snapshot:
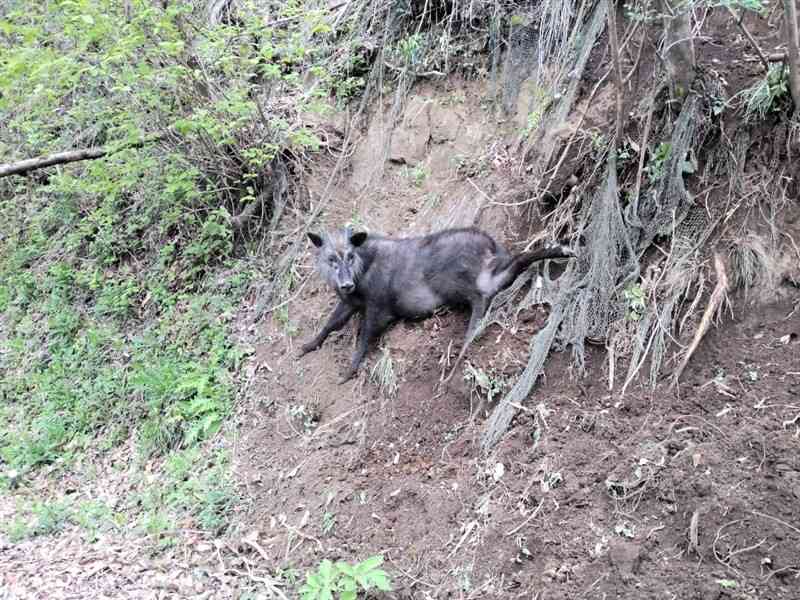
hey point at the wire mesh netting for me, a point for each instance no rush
(603, 296)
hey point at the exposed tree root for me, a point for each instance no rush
(718, 297)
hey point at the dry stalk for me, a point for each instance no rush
(750, 548)
(643, 151)
(470, 526)
(635, 66)
(693, 524)
(611, 349)
(528, 520)
(718, 297)
(575, 133)
(717, 538)
(777, 520)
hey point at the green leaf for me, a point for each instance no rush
(327, 571)
(348, 570)
(313, 580)
(348, 584)
(371, 563)
(321, 28)
(380, 579)
(308, 593)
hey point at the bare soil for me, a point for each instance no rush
(687, 493)
(652, 493)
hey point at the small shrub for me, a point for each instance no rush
(634, 300)
(344, 580)
(94, 516)
(417, 174)
(766, 95)
(117, 298)
(383, 374)
(45, 518)
(655, 166)
(17, 529)
(328, 522)
(158, 525)
(483, 383)
(306, 417)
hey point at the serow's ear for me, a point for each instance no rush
(358, 238)
(315, 239)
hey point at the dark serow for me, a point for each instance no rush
(390, 279)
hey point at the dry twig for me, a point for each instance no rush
(528, 520)
(749, 37)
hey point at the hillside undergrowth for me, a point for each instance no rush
(119, 276)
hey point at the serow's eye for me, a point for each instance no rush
(332, 260)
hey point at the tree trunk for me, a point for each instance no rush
(679, 54)
(793, 51)
(613, 46)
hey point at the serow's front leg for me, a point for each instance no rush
(372, 325)
(338, 319)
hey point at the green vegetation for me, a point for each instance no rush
(766, 95)
(483, 383)
(119, 275)
(634, 298)
(43, 518)
(46, 517)
(655, 166)
(417, 174)
(345, 580)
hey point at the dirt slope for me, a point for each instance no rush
(661, 494)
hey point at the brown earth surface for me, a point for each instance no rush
(693, 493)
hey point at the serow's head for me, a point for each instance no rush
(338, 260)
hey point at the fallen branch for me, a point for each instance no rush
(693, 526)
(635, 66)
(239, 221)
(60, 158)
(777, 520)
(718, 296)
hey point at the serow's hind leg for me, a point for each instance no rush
(478, 306)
